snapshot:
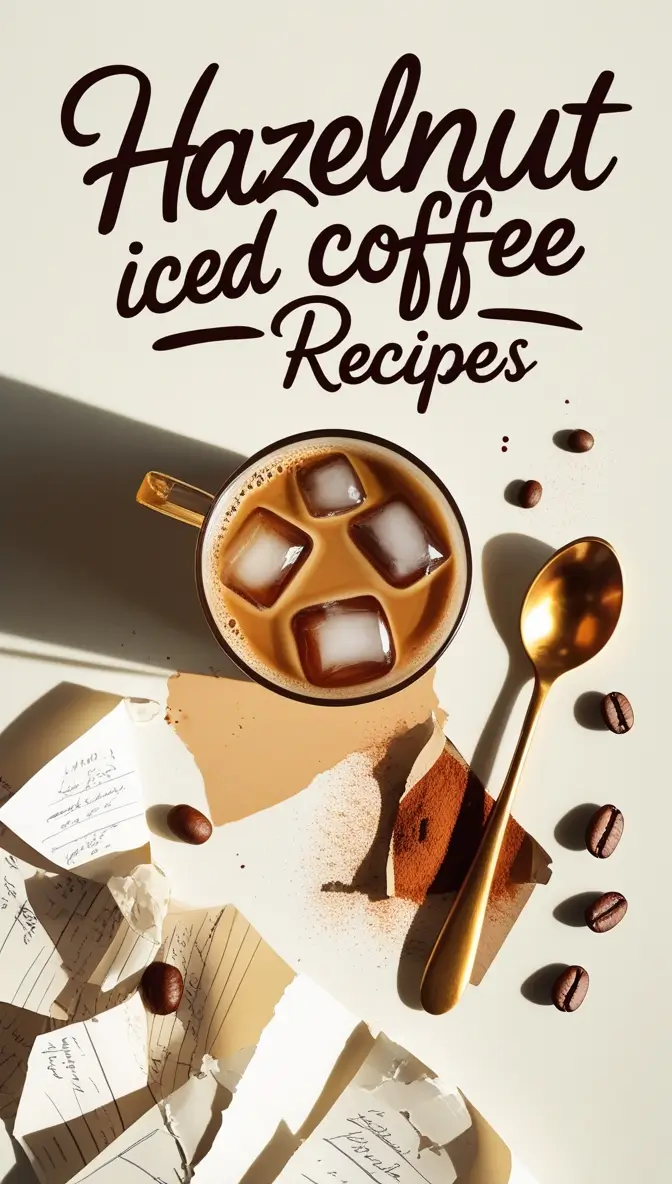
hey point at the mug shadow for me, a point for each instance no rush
(509, 563)
(90, 569)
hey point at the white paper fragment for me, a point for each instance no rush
(162, 1145)
(52, 927)
(18, 1031)
(229, 1070)
(81, 1001)
(142, 711)
(86, 1084)
(427, 757)
(393, 1122)
(298, 1048)
(86, 802)
(142, 899)
(520, 1174)
(146, 1151)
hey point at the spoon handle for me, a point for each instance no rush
(452, 960)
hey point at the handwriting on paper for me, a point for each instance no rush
(63, 930)
(18, 1030)
(87, 801)
(86, 1084)
(50, 927)
(215, 950)
(392, 1123)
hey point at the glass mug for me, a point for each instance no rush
(424, 616)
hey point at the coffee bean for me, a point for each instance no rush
(617, 712)
(189, 824)
(606, 911)
(569, 988)
(162, 986)
(530, 494)
(580, 441)
(603, 833)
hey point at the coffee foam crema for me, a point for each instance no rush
(249, 485)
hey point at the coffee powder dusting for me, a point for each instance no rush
(438, 828)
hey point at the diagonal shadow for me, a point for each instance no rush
(510, 562)
(83, 565)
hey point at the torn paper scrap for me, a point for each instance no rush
(18, 1031)
(395, 1121)
(299, 1048)
(520, 1174)
(86, 1084)
(86, 802)
(164, 1143)
(231, 981)
(146, 1151)
(51, 927)
(142, 899)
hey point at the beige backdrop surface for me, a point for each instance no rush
(88, 579)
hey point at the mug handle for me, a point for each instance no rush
(178, 500)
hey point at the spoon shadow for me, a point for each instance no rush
(509, 564)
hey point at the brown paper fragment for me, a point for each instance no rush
(256, 748)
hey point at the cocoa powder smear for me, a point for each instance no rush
(439, 825)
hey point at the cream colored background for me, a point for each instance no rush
(85, 576)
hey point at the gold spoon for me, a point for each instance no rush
(569, 613)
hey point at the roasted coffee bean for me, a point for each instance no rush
(606, 911)
(530, 494)
(189, 824)
(162, 986)
(617, 712)
(569, 988)
(580, 441)
(603, 833)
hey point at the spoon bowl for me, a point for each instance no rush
(572, 607)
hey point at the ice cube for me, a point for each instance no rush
(330, 486)
(399, 544)
(345, 642)
(264, 556)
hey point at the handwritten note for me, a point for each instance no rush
(62, 929)
(216, 951)
(394, 1122)
(81, 1001)
(50, 928)
(86, 1084)
(18, 1030)
(87, 802)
